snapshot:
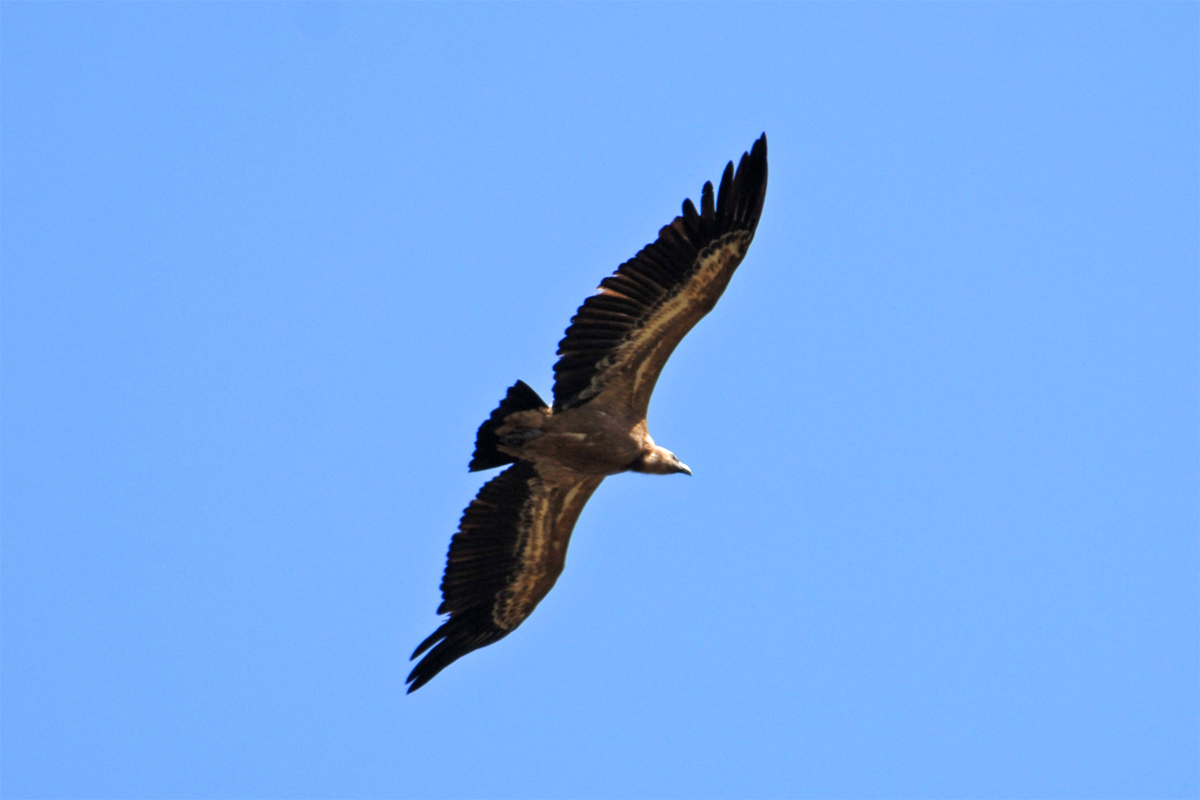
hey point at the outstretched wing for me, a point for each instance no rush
(509, 550)
(622, 336)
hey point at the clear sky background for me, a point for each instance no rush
(267, 267)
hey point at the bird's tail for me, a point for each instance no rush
(519, 398)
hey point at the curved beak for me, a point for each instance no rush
(684, 469)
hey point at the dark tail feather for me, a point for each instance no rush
(519, 398)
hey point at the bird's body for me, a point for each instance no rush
(580, 441)
(512, 542)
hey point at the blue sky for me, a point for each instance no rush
(267, 267)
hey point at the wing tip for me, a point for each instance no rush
(747, 188)
(456, 637)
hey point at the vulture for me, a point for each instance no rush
(512, 541)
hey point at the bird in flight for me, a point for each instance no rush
(512, 541)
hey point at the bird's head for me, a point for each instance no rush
(660, 461)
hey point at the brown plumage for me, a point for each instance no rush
(512, 541)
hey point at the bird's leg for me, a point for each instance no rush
(517, 437)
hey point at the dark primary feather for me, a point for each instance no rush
(481, 563)
(656, 273)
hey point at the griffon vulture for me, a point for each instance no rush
(512, 541)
